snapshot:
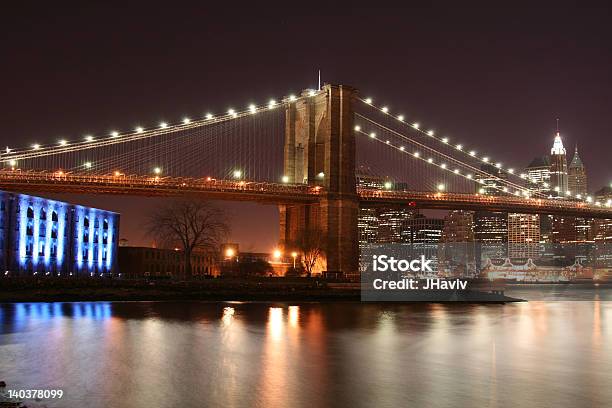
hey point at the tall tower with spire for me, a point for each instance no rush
(576, 174)
(558, 166)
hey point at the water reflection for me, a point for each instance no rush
(143, 354)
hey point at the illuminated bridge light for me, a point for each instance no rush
(485, 159)
(431, 133)
(415, 125)
(272, 104)
(357, 128)
(63, 142)
(498, 165)
(89, 138)
(445, 140)
(417, 154)
(388, 142)
(13, 163)
(88, 165)
(469, 176)
(186, 121)
(237, 174)
(231, 112)
(481, 191)
(472, 153)
(114, 133)
(163, 125)
(459, 147)
(400, 118)
(402, 148)
(368, 101)
(373, 135)
(209, 116)
(441, 187)
(388, 185)
(385, 109)
(292, 98)
(252, 108)
(511, 171)
(430, 160)
(157, 170)
(312, 92)
(285, 179)
(139, 129)
(456, 171)
(35, 146)
(443, 165)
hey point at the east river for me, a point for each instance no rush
(553, 351)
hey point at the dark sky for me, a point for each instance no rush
(495, 77)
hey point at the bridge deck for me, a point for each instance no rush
(278, 193)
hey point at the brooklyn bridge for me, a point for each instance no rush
(303, 153)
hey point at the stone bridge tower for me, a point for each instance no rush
(320, 151)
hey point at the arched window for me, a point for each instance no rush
(105, 225)
(43, 214)
(42, 228)
(86, 222)
(54, 216)
(30, 213)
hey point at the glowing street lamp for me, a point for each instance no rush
(294, 255)
(277, 254)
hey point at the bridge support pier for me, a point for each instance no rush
(320, 151)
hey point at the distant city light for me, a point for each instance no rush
(285, 179)
(230, 252)
(321, 175)
(277, 254)
(13, 163)
(388, 185)
(441, 187)
(237, 174)
(157, 170)
(88, 165)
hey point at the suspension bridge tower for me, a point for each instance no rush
(320, 151)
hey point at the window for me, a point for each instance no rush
(54, 216)
(43, 214)
(86, 236)
(42, 229)
(54, 231)
(105, 225)
(41, 248)
(86, 222)
(30, 213)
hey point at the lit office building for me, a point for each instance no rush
(489, 181)
(538, 174)
(40, 236)
(491, 227)
(458, 227)
(523, 235)
(577, 177)
(558, 167)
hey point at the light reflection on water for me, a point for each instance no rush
(193, 354)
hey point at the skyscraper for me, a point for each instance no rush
(539, 171)
(558, 167)
(523, 235)
(577, 177)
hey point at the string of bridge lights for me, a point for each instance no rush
(471, 153)
(445, 140)
(12, 156)
(468, 176)
(448, 157)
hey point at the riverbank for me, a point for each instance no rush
(265, 289)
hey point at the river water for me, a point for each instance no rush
(542, 353)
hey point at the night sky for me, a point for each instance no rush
(491, 77)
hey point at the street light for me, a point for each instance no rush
(294, 255)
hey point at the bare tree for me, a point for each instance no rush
(190, 224)
(310, 243)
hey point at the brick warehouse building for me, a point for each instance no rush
(40, 236)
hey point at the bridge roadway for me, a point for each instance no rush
(280, 193)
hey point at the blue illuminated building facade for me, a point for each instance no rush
(39, 236)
